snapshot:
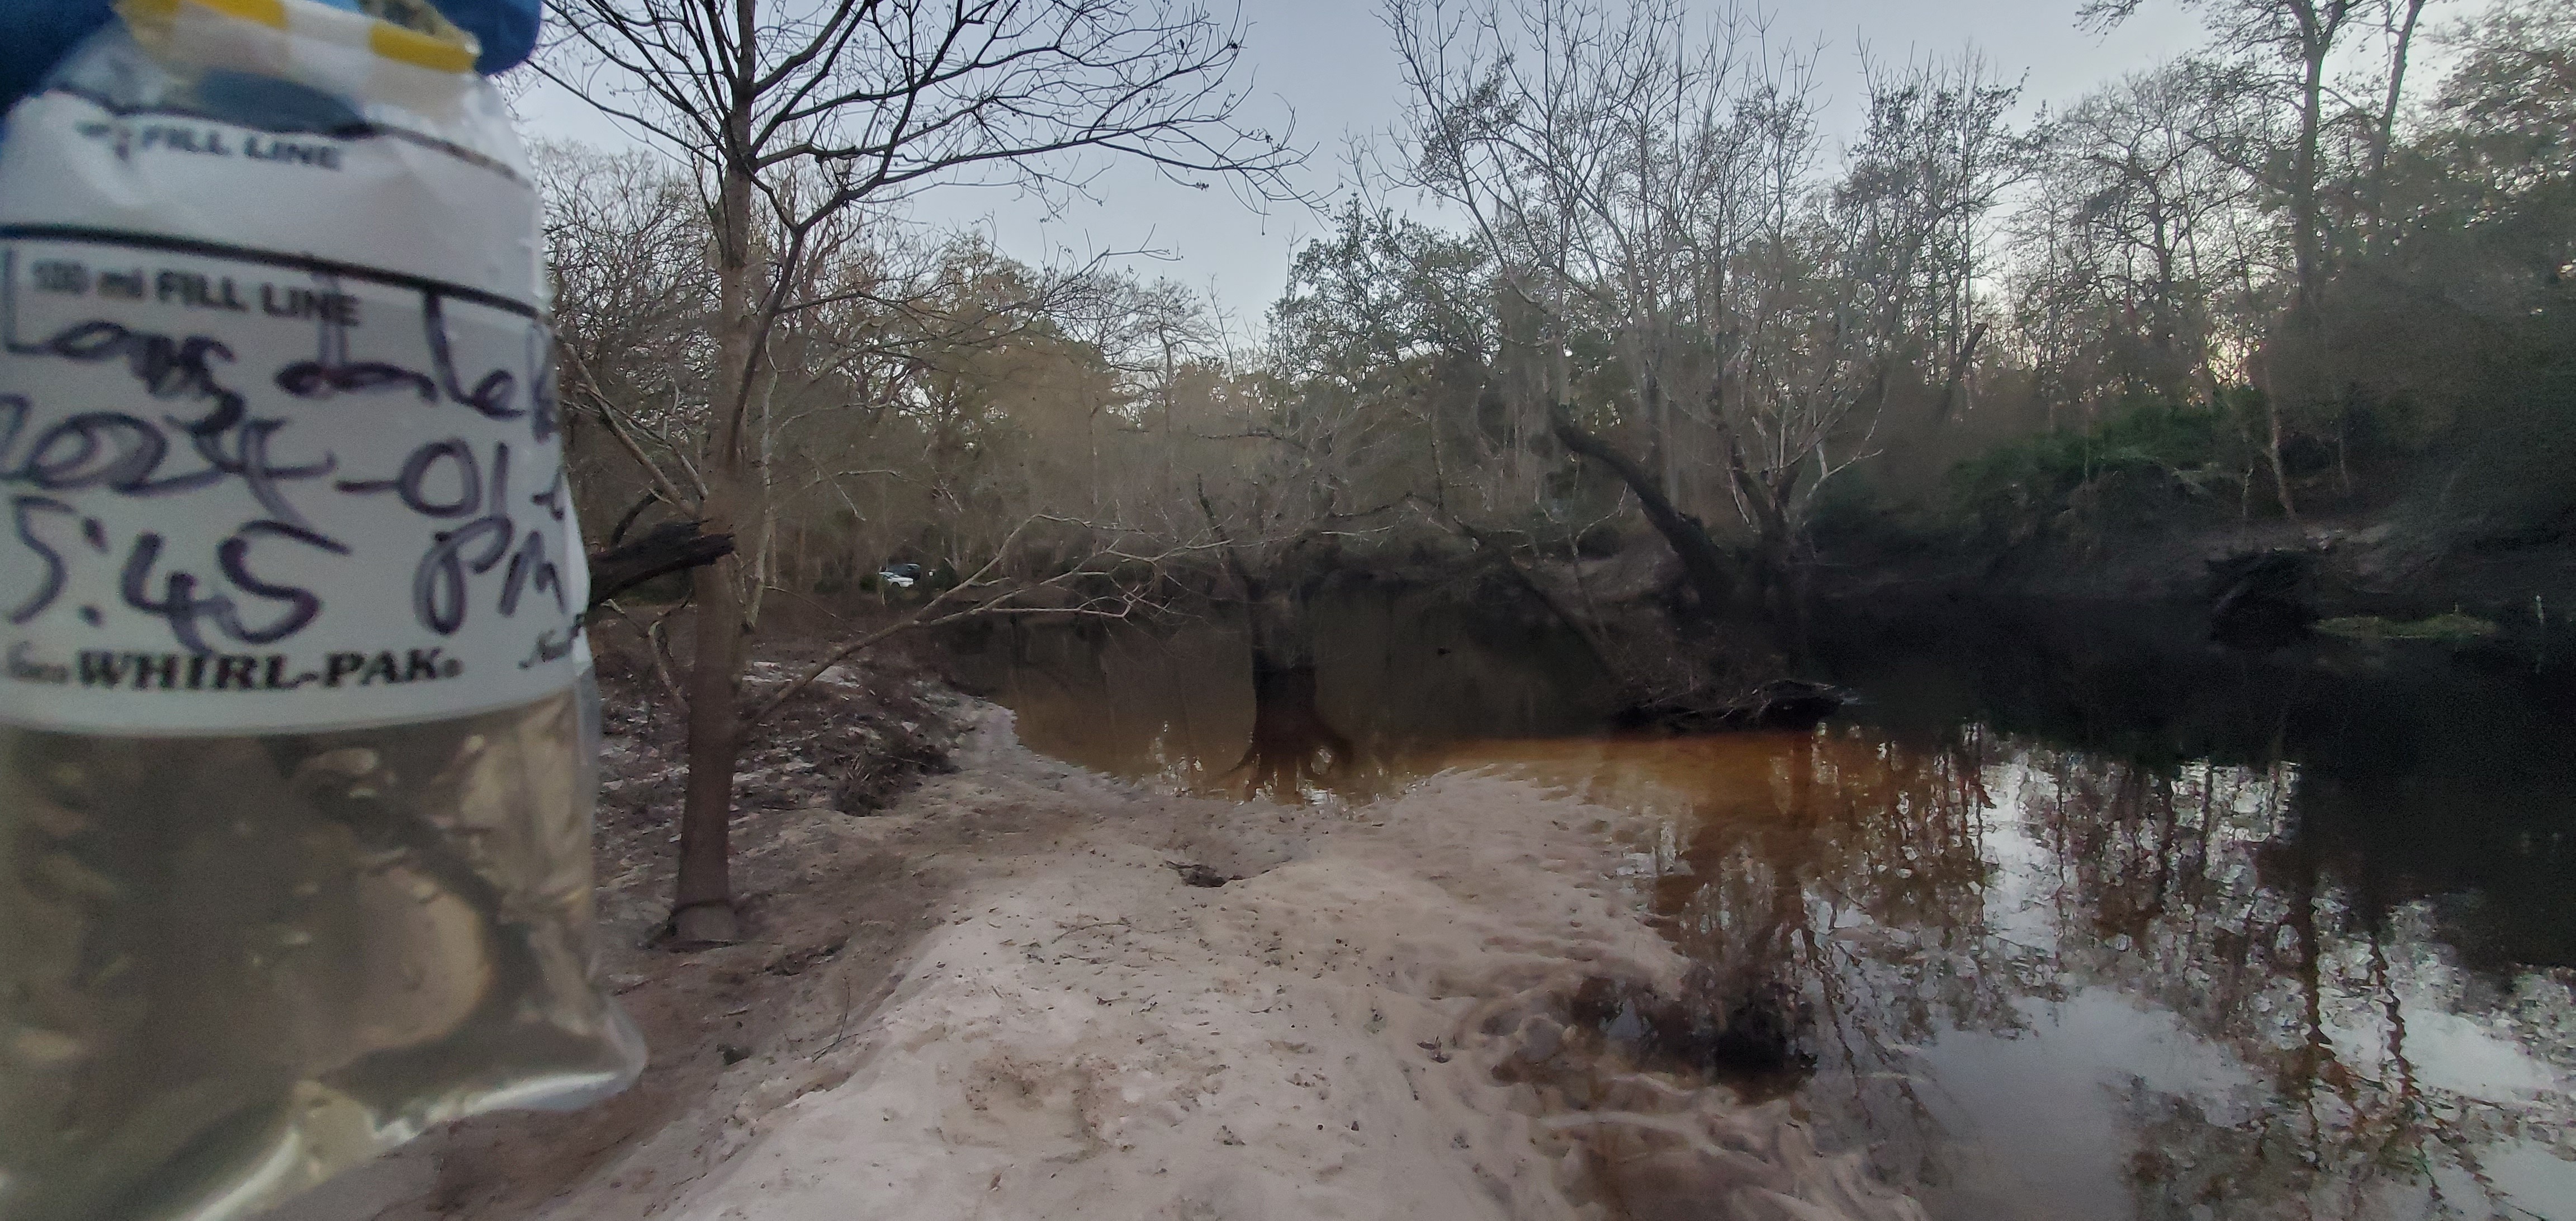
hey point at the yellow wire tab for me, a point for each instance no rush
(270, 13)
(441, 47)
(418, 49)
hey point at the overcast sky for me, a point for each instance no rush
(1330, 63)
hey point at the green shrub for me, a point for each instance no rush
(2133, 468)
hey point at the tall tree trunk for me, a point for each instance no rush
(702, 905)
(2307, 244)
(2388, 122)
(2319, 23)
(1703, 564)
(1774, 538)
(2272, 452)
(1960, 359)
(753, 504)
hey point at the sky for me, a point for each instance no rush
(1330, 64)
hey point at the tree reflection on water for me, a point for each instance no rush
(2043, 982)
(2288, 942)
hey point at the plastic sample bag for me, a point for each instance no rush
(295, 729)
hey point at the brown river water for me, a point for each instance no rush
(2064, 921)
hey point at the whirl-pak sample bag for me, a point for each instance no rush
(295, 722)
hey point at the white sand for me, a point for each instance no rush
(1087, 1036)
(1098, 1039)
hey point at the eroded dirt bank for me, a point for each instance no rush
(1001, 998)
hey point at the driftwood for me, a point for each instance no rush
(666, 548)
(1786, 703)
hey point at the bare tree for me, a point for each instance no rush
(1882, 286)
(1599, 158)
(794, 114)
(1647, 187)
(2302, 37)
(2135, 242)
(627, 243)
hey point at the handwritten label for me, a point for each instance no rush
(244, 491)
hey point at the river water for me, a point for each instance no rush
(2066, 920)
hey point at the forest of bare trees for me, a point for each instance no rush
(1608, 282)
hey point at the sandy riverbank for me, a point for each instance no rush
(1000, 1000)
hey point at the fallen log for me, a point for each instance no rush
(1786, 703)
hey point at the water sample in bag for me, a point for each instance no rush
(296, 732)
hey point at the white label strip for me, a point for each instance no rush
(248, 491)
